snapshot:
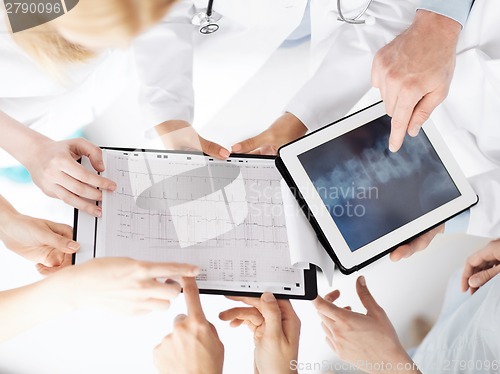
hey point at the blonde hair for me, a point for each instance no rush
(103, 19)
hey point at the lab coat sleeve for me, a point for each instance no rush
(164, 63)
(458, 224)
(485, 216)
(334, 89)
(457, 10)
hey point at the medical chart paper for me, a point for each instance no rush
(227, 217)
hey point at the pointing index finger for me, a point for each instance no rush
(403, 110)
(192, 297)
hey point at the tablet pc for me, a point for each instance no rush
(363, 200)
(224, 216)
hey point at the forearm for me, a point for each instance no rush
(401, 364)
(18, 139)
(7, 211)
(436, 25)
(25, 307)
(170, 126)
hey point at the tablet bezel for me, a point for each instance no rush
(352, 260)
(84, 224)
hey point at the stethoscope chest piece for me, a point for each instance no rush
(207, 23)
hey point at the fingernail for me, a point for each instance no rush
(224, 153)
(195, 272)
(414, 130)
(392, 148)
(328, 298)
(74, 246)
(268, 297)
(112, 187)
(101, 165)
(98, 212)
(473, 282)
(362, 281)
(236, 148)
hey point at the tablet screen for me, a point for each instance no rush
(368, 190)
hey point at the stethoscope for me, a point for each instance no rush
(207, 19)
(356, 20)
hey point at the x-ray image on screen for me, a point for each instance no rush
(370, 191)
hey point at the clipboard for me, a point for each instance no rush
(258, 271)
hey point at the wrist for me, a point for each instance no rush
(430, 22)
(288, 128)
(8, 214)
(52, 300)
(61, 293)
(170, 126)
(400, 362)
(295, 124)
(21, 141)
(38, 145)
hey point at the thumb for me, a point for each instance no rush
(422, 111)
(214, 149)
(251, 144)
(272, 314)
(365, 296)
(85, 148)
(479, 279)
(59, 237)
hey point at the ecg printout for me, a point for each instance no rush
(226, 217)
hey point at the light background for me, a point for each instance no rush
(93, 342)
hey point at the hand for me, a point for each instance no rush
(481, 267)
(284, 130)
(180, 135)
(362, 338)
(276, 330)
(54, 168)
(121, 284)
(46, 243)
(414, 72)
(194, 346)
(418, 244)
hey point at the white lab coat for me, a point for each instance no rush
(252, 31)
(466, 337)
(470, 116)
